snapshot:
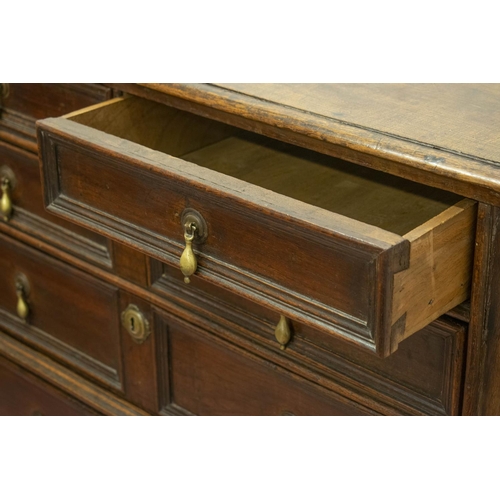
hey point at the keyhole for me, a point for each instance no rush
(135, 324)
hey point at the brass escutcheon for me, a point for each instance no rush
(135, 323)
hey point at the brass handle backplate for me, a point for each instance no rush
(195, 230)
(7, 184)
(22, 292)
(135, 323)
(282, 332)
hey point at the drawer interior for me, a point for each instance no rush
(376, 198)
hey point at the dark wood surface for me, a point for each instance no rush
(210, 377)
(73, 316)
(424, 376)
(212, 348)
(313, 264)
(482, 394)
(22, 394)
(29, 213)
(27, 102)
(140, 360)
(41, 100)
(66, 380)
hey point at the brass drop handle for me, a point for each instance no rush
(22, 308)
(282, 332)
(188, 260)
(6, 200)
(195, 231)
(4, 90)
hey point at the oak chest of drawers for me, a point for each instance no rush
(249, 249)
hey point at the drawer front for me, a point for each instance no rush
(23, 394)
(60, 310)
(359, 282)
(23, 103)
(29, 214)
(424, 376)
(206, 376)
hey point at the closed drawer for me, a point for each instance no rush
(424, 376)
(21, 104)
(206, 376)
(24, 394)
(362, 255)
(60, 311)
(27, 212)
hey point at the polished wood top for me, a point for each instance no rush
(458, 117)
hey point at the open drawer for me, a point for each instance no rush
(361, 254)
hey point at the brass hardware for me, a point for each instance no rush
(195, 230)
(6, 201)
(135, 323)
(282, 332)
(22, 292)
(188, 260)
(7, 184)
(192, 216)
(4, 90)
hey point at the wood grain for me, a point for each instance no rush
(28, 102)
(100, 193)
(73, 316)
(440, 271)
(409, 131)
(139, 360)
(335, 185)
(424, 376)
(130, 264)
(65, 379)
(482, 393)
(428, 163)
(157, 127)
(42, 100)
(98, 177)
(29, 213)
(22, 394)
(210, 377)
(463, 118)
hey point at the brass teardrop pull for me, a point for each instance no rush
(282, 332)
(195, 231)
(188, 260)
(6, 200)
(4, 90)
(22, 308)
